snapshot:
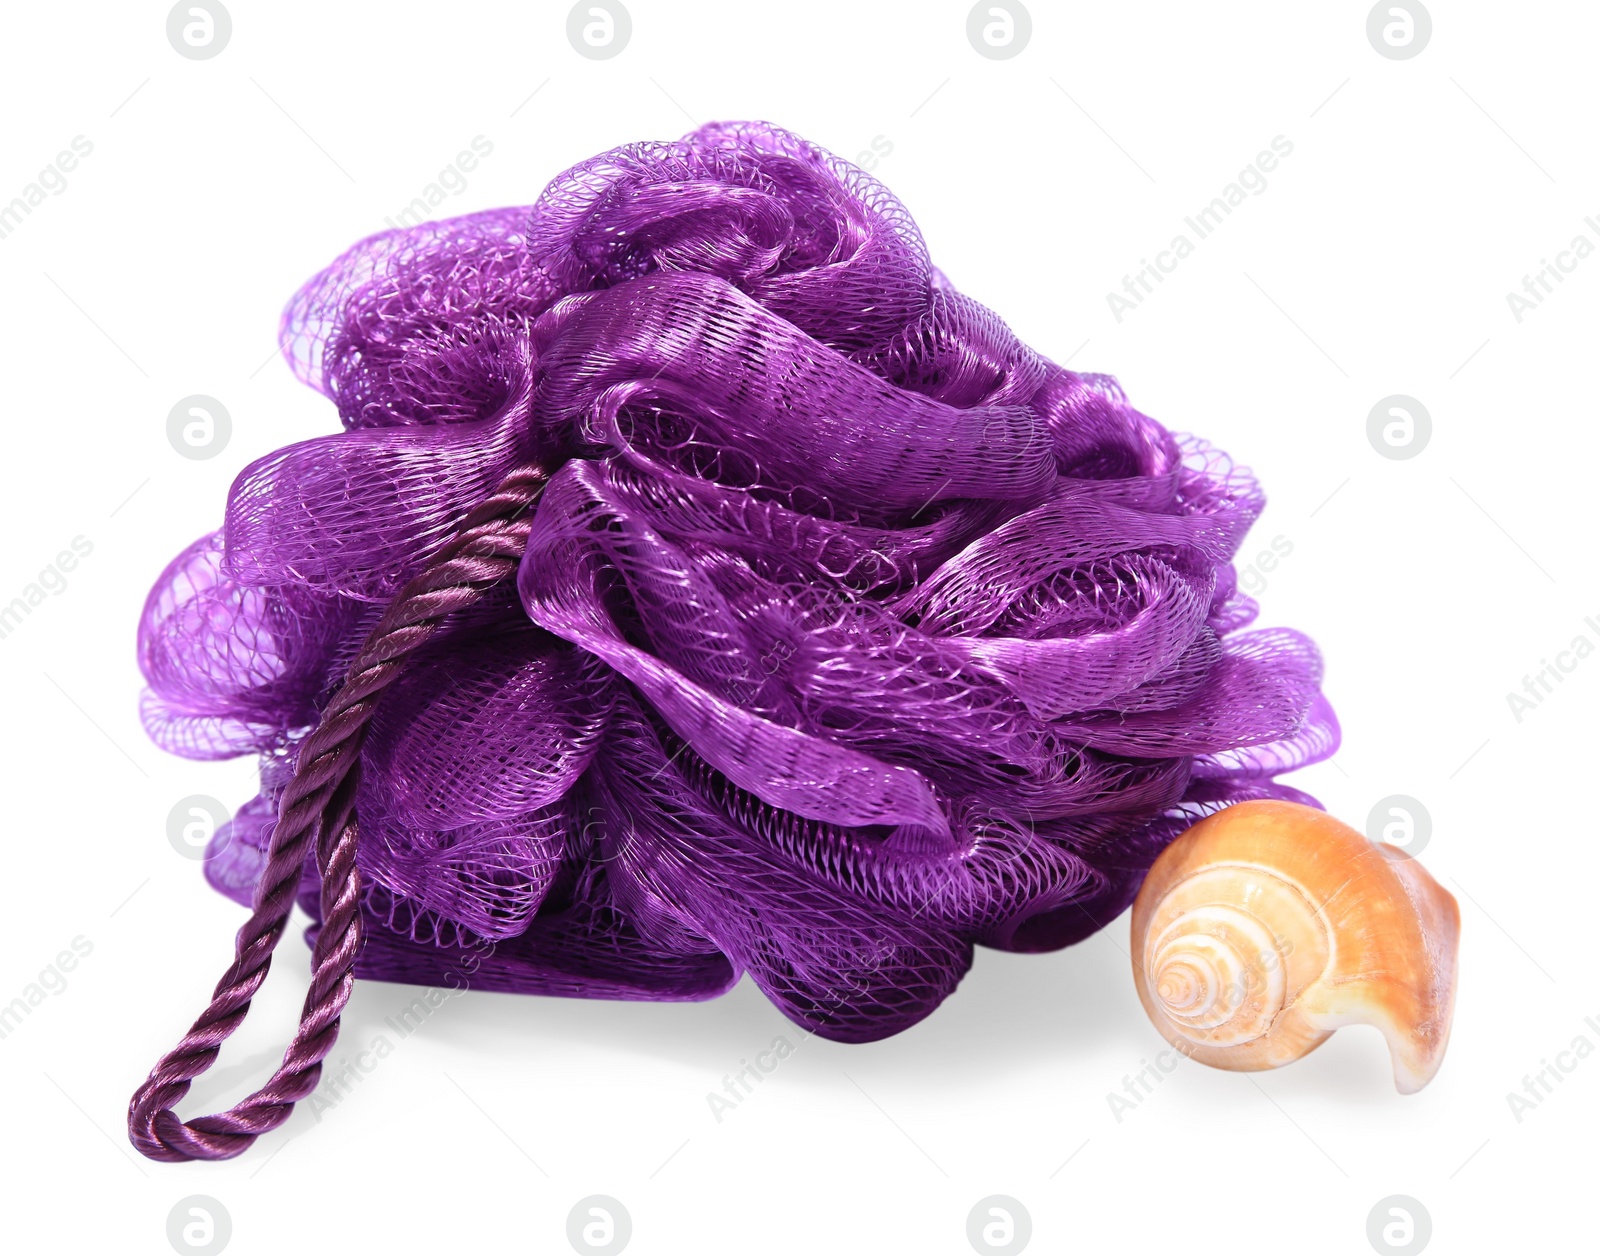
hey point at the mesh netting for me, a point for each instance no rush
(851, 632)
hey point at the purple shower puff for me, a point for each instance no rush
(850, 632)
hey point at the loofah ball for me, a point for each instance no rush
(851, 632)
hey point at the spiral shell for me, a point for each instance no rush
(1265, 927)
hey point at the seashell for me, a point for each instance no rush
(1268, 925)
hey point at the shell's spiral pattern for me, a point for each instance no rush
(1264, 928)
(851, 631)
(1230, 947)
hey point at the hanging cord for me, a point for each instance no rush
(320, 800)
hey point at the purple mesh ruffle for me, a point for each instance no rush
(851, 631)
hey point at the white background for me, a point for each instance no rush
(1419, 193)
